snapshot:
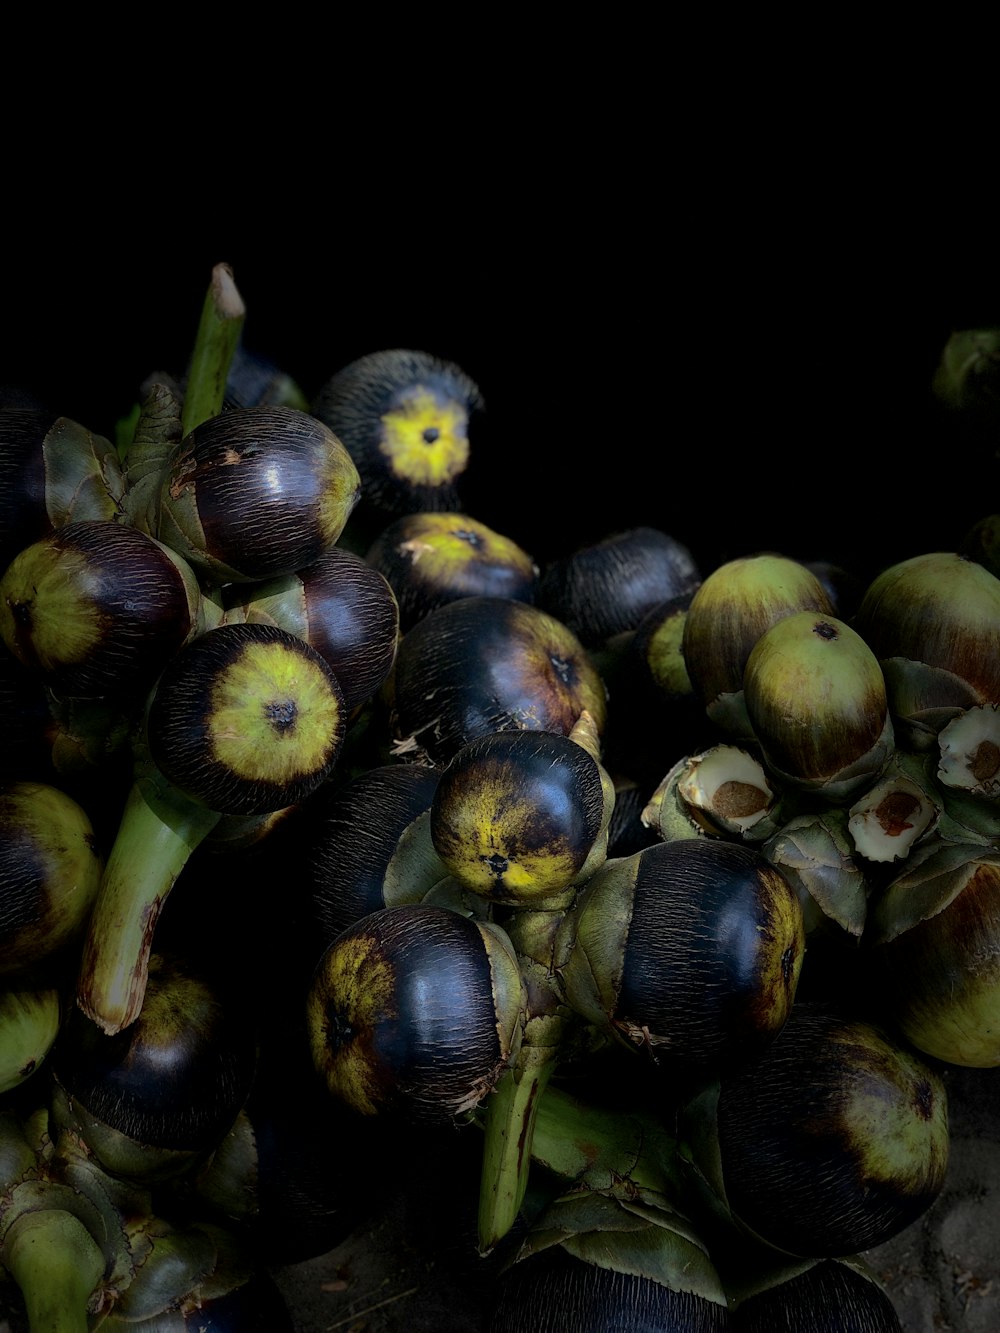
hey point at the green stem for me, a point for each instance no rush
(215, 345)
(509, 1113)
(509, 1121)
(58, 1267)
(159, 830)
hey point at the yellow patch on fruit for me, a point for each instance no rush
(896, 1118)
(274, 715)
(496, 850)
(353, 994)
(783, 947)
(69, 625)
(444, 543)
(340, 493)
(172, 1010)
(425, 439)
(666, 657)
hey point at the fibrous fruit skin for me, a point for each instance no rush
(830, 1296)
(50, 869)
(933, 953)
(340, 606)
(96, 608)
(172, 1082)
(408, 419)
(688, 950)
(931, 621)
(415, 1012)
(607, 588)
(486, 664)
(433, 558)
(255, 493)
(345, 838)
(834, 1138)
(516, 815)
(563, 1292)
(247, 719)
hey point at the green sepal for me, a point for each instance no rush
(590, 940)
(83, 477)
(228, 1180)
(936, 874)
(19, 1157)
(655, 1243)
(179, 1260)
(923, 700)
(141, 1163)
(157, 431)
(625, 1153)
(124, 1207)
(816, 855)
(414, 867)
(219, 330)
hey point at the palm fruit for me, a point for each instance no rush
(484, 664)
(816, 698)
(689, 951)
(933, 942)
(432, 558)
(830, 1140)
(606, 588)
(519, 817)
(728, 613)
(254, 493)
(931, 620)
(97, 608)
(407, 418)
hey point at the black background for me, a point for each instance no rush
(742, 381)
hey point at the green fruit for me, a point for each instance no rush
(729, 611)
(816, 699)
(834, 1138)
(50, 871)
(29, 1024)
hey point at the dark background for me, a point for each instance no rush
(742, 383)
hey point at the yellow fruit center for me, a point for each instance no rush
(273, 715)
(425, 440)
(353, 997)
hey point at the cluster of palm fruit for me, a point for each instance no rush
(671, 892)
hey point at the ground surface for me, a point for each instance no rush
(407, 1269)
(943, 1273)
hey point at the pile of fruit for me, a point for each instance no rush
(331, 823)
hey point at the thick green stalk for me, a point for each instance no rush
(159, 830)
(508, 1114)
(509, 1122)
(218, 336)
(58, 1267)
